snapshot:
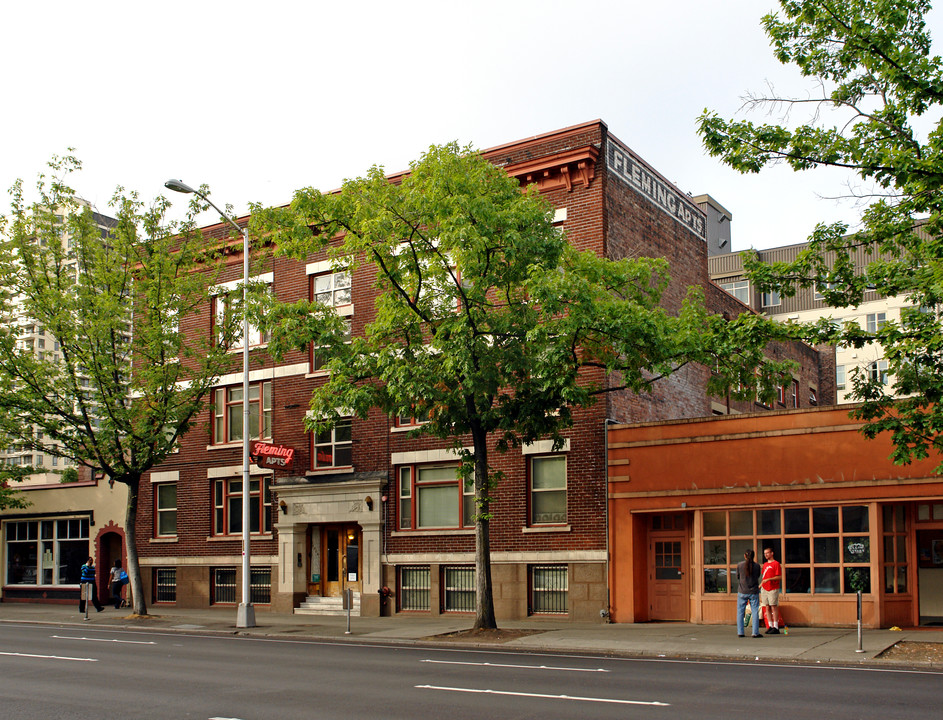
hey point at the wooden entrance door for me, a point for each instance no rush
(340, 558)
(668, 593)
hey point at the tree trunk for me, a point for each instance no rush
(484, 594)
(139, 606)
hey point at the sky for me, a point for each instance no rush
(258, 100)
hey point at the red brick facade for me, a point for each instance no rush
(316, 515)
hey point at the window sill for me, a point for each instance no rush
(235, 445)
(339, 470)
(237, 537)
(432, 531)
(406, 428)
(161, 540)
(546, 529)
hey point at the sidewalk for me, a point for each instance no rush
(673, 640)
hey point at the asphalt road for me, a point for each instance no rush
(61, 673)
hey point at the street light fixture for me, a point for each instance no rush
(245, 615)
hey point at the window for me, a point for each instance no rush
(227, 510)
(820, 290)
(411, 421)
(331, 288)
(227, 413)
(414, 587)
(877, 371)
(46, 552)
(319, 359)
(823, 550)
(548, 589)
(894, 534)
(260, 585)
(781, 395)
(458, 589)
(813, 397)
(224, 305)
(840, 379)
(224, 585)
(548, 490)
(334, 447)
(875, 321)
(794, 394)
(165, 498)
(740, 289)
(165, 585)
(434, 496)
(771, 299)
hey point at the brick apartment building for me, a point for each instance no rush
(338, 516)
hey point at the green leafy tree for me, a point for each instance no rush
(124, 383)
(488, 324)
(10, 497)
(876, 114)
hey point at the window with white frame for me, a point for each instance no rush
(771, 299)
(333, 447)
(875, 321)
(319, 359)
(877, 371)
(434, 496)
(45, 552)
(227, 299)
(227, 506)
(228, 413)
(548, 490)
(331, 288)
(165, 503)
(840, 379)
(740, 289)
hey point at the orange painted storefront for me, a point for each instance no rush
(687, 497)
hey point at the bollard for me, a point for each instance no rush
(860, 648)
(85, 597)
(350, 601)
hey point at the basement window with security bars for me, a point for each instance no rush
(224, 585)
(458, 589)
(414, 587)
(548, 589)
(165, 585)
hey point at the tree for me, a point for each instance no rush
(882, 87)
(10, 497)
(125, 382)
(488, 325)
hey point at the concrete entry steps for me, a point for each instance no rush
(317, 605)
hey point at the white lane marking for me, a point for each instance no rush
(125, 642)
(49, 657)
(541, 695)
(224, 718)
(522, 667)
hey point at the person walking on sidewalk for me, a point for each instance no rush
(748, 591)
(770, 583)
(88, 578)
(117, 582)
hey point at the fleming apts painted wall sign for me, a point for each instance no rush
(664, 195)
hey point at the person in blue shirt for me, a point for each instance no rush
(88, 578)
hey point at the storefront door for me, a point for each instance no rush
(667, 586)
(340, 556)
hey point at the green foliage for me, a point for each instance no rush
(69, 475)
(10, 497)
(117, 382)
(488, 323)
(883, 89)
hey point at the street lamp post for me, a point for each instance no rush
(245, 615)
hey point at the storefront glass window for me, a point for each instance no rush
(822, 549)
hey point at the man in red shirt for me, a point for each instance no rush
(770, 582)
